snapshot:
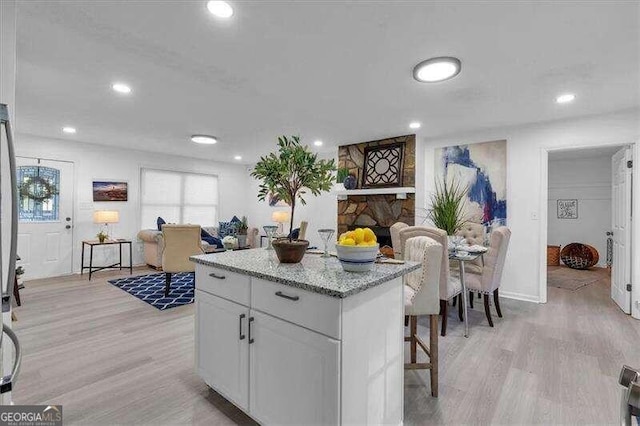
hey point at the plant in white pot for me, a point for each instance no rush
(243, 228)
(447, 207)
(289, 174)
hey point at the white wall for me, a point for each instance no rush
(526, 159)
(101, 162)
(589, 181)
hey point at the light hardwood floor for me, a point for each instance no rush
(110, 358)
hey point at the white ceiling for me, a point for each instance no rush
(340, 72)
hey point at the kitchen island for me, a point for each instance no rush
(302, 343)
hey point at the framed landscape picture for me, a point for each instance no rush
(567, 209)
(104, 190)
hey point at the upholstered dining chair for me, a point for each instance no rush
(450, 285)
(474, 234)
(394, 230)
(488, 282)
(421, 297)
(180, 242)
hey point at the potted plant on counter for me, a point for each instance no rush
(291, 173)
(447, 207)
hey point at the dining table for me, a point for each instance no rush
(463, 257)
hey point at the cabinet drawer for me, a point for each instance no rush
(226, 284)
(311, 310)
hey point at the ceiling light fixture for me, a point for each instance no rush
(566, 98)
(437, 69)
(318, 143)
(70, 130)
(415, 125)
(221, 9)
(237, 157)
(204, 139)
(121, 88)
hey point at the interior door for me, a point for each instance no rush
(621, 218)
(45, 220)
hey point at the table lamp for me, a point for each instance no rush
(105, 217)
(280, 217)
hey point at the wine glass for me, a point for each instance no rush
(270, 230)
(326, 234)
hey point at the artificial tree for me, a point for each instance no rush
(291, 173)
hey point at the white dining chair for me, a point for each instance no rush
(421, 297)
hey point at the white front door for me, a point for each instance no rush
(45, 220)
(621, 218)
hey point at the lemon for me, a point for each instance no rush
(348, 242)
(369, 235)
(359, 235)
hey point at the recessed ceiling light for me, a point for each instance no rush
(221, 9)
(437, 69)
(70, 130)
(566, 98)
(318, 143)
(415, 125)
(237, 157)
(204, 139)
(121, 88)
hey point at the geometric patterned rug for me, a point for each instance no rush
(150, 289)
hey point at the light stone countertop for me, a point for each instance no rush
(314, 273)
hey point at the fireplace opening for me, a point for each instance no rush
(383, 234)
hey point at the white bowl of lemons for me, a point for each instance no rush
(357, 250)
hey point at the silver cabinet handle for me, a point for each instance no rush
(6, 383)
(286, 296)
(242, 336)
(251, 319)
(214, 275)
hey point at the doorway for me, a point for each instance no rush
(45, 219)
(588, 222)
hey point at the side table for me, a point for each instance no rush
(93, 243)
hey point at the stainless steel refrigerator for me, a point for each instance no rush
(9, 346)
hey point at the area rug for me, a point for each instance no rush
(150, 289)
(571, 279)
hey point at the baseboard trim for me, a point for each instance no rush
(519, 296)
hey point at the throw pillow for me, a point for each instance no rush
(295, 234)
(212, 240)
(159, 222)
(235, 219)
(227, 228)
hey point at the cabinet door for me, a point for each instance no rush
(295, 374)
(222, 354)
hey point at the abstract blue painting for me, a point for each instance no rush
(483, 167)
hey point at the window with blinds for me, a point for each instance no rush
(178, 197)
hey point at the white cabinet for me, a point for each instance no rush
(295, 374)
(222, 353)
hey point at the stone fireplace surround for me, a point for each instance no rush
(376, 211)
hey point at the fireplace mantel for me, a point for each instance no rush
(401, 192)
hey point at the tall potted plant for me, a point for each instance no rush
(447, 206)
(290, 174)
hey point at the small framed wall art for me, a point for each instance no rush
(107, 190)
(567, 209)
